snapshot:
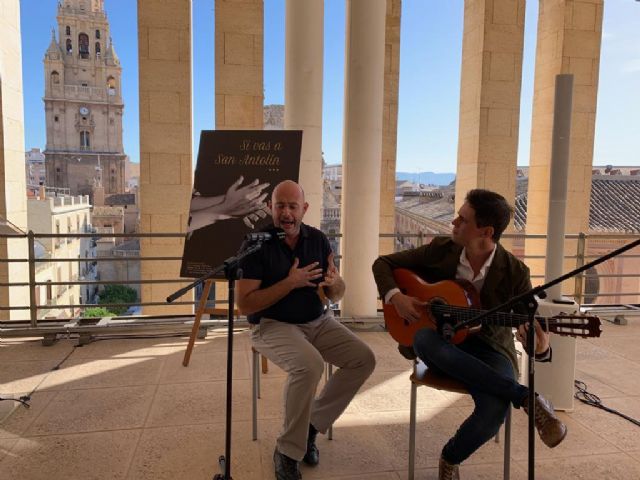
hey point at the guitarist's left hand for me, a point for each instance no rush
(542, 337)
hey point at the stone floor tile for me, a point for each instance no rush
(587, 467)
(595, 385)
(626, 347)
(132, 348)
(191, 452)
(198, 403)
(86, 456)
(83, 373)
(618, 374)
(579, 441)
(96, 409)
(390, 391)
(32, 349)
(6, 444)
(620, 432)
(19, 421)
(17, 378)
(205, 366)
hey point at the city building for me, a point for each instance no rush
(35, 168)
(83, 102)
(63, 215)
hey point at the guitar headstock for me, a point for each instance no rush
(584, 326)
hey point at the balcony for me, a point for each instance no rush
(138, 413)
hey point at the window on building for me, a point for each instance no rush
(83, 45)
(69, 48)
(97, 49)
(84, 140)
(97, 33)
(68, 30)
(55, 118)
(111, 85)
(55, 78)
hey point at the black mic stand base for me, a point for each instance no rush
(223, 467)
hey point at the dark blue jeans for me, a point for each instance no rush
(490, 379)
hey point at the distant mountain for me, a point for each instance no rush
(427, 178)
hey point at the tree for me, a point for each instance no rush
(118, 294)
(94, 312)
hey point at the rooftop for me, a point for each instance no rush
(128, 409)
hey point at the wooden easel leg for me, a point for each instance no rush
(202, 305)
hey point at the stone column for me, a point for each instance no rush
(390, 124)
(13, 189)
(303, 94)
(490, 96)
(362, 152)
(239, 26)
(164, 56)
(569, 37)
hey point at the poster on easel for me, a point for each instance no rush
(236, 172)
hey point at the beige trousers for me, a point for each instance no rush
(301, 350)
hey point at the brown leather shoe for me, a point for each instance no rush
(551, 430)
(448, 471)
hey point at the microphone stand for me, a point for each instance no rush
(529, 300)
(231, 273)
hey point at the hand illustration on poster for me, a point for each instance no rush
(235, 175)
(246, 201)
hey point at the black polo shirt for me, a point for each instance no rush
(272, 263)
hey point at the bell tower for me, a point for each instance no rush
(83, 102)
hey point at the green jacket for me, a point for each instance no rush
(507, 277)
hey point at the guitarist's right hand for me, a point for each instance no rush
(408, 308)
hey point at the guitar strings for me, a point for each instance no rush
(464, 313)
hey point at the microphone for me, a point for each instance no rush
(264, 236)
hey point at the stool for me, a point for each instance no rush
(422, 375)
(255, 377)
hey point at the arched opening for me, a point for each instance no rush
(68, 30)
(55, 78)
(83, 45)
(111, 85)
(68, 46)
(98, 34)
(97, 49)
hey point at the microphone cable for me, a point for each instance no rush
(592, 399)
(25, 399)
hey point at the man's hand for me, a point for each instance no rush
(542, 337)
(407, 307)
(332, 275)
(303, 277)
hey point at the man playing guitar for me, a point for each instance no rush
(485, 363)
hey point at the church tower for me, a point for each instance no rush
(83, 102)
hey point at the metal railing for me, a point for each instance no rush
(587, 247)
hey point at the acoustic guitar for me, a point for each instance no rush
(451, 302)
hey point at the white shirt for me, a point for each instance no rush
(463, 272)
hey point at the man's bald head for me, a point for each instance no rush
(287, 188)
(288, 207)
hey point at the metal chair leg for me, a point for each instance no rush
(412, 430)
(256, 391)
(328, 373)
(507, 445)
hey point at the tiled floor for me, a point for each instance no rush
(128, 409)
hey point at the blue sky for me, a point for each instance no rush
(429, 77)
